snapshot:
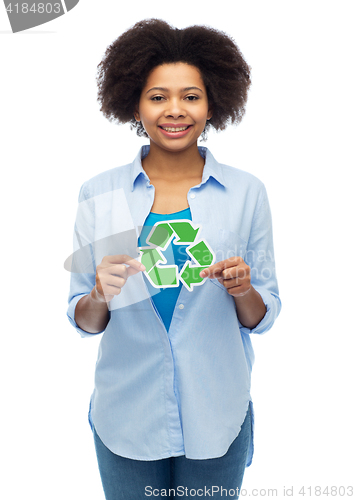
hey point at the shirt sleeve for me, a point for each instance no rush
(81, 264)
(260, 258)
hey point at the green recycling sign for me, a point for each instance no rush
(161, 275)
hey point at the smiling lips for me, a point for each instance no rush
(174, 130)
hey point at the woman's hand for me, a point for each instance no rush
(112, 274)
(232, 273)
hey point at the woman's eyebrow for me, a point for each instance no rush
(164, 89)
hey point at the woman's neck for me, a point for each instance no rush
(163, 164)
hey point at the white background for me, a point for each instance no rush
(297, 137)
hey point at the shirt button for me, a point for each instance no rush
(192, 196)
(181, 306)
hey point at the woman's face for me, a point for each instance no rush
(173, 106)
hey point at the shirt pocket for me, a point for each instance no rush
(229, 244)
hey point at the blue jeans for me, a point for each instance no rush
(126, 479)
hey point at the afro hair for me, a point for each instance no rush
(127, 62)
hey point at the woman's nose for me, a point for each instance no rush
(175, 109)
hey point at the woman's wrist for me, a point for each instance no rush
(250, 308)
(96, 296)
(91, 313)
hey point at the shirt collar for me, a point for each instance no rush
(211, 168)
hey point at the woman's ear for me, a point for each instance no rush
(210, 113)
(136, 114)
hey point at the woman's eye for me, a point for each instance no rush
(159, 98)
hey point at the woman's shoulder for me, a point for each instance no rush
(233, 175)
(239, 181)
(237, 174)
(109, 180)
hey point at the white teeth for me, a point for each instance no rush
(171, 129)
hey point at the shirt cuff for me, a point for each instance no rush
(71, 316)
(273, 306)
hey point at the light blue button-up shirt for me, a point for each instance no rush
(184, 391)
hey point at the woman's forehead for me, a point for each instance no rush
(175, 75)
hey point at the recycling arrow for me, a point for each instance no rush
(185, 232)
(181, 232)
(190, 275)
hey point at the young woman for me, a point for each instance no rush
(174, 265)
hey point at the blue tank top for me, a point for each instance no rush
(166, 299)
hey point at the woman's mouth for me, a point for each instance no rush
(175, 131)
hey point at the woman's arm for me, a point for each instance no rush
(250, 308)
(252, 284)
(92, 313)
(234, 275)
